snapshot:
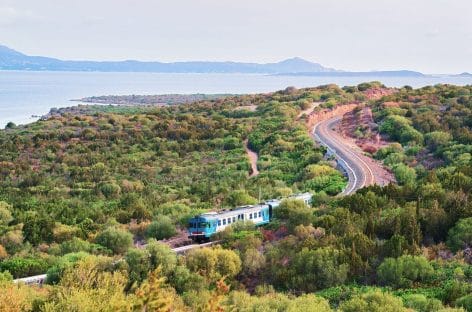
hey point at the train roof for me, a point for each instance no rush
(211, 215)
(233, 212)
(301, 195)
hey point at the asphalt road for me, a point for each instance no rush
(359, 172)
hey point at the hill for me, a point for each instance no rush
(84, 195)
(14, 60)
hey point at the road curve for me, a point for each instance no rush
(359, 173)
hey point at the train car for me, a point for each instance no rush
(202, 227)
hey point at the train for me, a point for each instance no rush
(201, 228)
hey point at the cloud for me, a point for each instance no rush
(10, 15)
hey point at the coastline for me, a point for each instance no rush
(26, 96)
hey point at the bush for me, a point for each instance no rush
(138, 265)
(460, 236)
(465, 302)
(404, 271)
(116, 240)
(294, 212)
(214, 264)
(160, 255)
(76, 245)
(374, 301)
(317, 269)
(22, 267)
(55, 273)
(404, 174)
(421, 303)
(161, 229)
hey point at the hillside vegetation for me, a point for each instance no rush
(79, 189)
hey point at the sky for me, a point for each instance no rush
(431, 36)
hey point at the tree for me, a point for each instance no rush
(374, 301)
(460, 236)
(308, 302)
(421, 303)
(294, 212)
(10, 125)
(240, 197)
(404, 174)
(395, 246)
(160, 255)
(18, 298)
(437, 139)
(22, 267)
(115, 239)
(87, 288)
(317, 269)
(214, 264)
(161, 228)
(253, 261)
(5, 214)
(12, 241)
(138, 265)
(54, 273)
(272, 301)
(155, 295)
(404, 271)
(465, 302)
(38, 228)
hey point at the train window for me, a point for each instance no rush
(260, 214)
(234, 219)
(219, 222)
(229, 220)
(255, 215)
(239, 217)
(203, 225)
(224, 221)
(250, 216)
(242, 217)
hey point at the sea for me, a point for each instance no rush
(26, 95)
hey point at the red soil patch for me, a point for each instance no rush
(377, 93)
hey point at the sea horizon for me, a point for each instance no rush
(24, 94)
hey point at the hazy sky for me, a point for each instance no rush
(433, 36)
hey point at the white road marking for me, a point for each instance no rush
(339, 157)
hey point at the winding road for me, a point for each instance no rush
(360, 173)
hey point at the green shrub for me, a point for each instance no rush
(115, 239)
(161, 228)
(460, 236)
(404, 271)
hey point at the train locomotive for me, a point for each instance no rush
(202, 227)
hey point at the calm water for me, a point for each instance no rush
(23, 94)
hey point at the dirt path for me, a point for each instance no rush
(252, 159)
(309, 110)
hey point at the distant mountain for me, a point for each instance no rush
(386, 73)
(465, 74)
(14, 60)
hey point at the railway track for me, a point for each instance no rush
(359, 172)
(41, 278)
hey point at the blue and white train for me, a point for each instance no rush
(202, 227)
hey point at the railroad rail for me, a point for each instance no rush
(41, 278)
